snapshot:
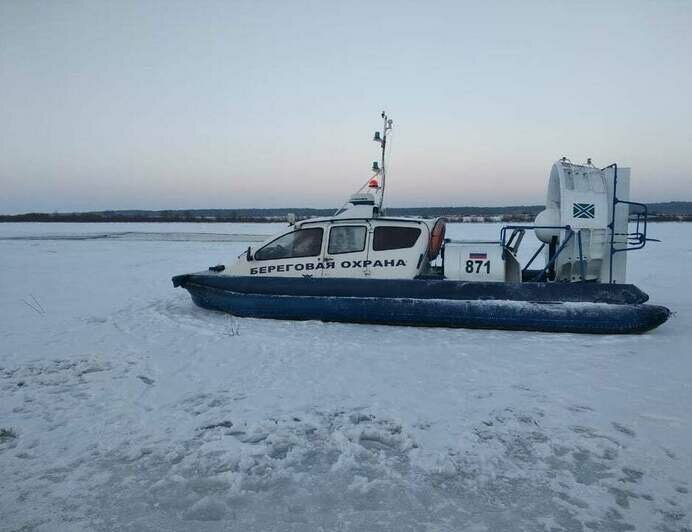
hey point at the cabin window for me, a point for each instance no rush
(346, 239)
(386, 237)
(300, 243)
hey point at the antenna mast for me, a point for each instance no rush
(381, 169)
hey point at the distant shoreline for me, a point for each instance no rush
(673, 211)
(510, 219)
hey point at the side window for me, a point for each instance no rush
(300, 243)
(346, 239)
(394, 238)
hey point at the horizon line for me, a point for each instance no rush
(123, 210)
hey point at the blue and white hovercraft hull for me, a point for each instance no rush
(362, 266)
(549, 307)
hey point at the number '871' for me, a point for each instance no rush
(474, 266)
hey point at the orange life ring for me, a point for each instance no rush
(437, 237)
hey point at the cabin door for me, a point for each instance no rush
(395, 251)
(345, 253)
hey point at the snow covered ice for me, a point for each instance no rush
(125, 407)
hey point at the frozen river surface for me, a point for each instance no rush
(125, 407)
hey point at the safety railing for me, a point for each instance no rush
(515, 238)
(635, 240)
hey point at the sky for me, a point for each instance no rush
(166, 105)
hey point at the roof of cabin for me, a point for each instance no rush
(336, 219)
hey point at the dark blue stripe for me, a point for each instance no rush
(418, 288)
(595, 319)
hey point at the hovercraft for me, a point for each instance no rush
(362, 266)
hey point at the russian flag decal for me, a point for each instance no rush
(478, 256)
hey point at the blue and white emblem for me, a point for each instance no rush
(583, 210)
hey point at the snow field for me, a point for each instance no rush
(131, 409)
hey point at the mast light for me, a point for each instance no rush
(377, 137)
(375, 167)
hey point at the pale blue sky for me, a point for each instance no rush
(195, 104)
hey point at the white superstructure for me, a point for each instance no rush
(584, 229)
(358, 241)
(581, 197)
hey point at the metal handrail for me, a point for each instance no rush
(544, 271)
(637, 240)
(540, 248)
(569, 234)
(503, 230)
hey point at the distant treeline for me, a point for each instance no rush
(668, 211)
